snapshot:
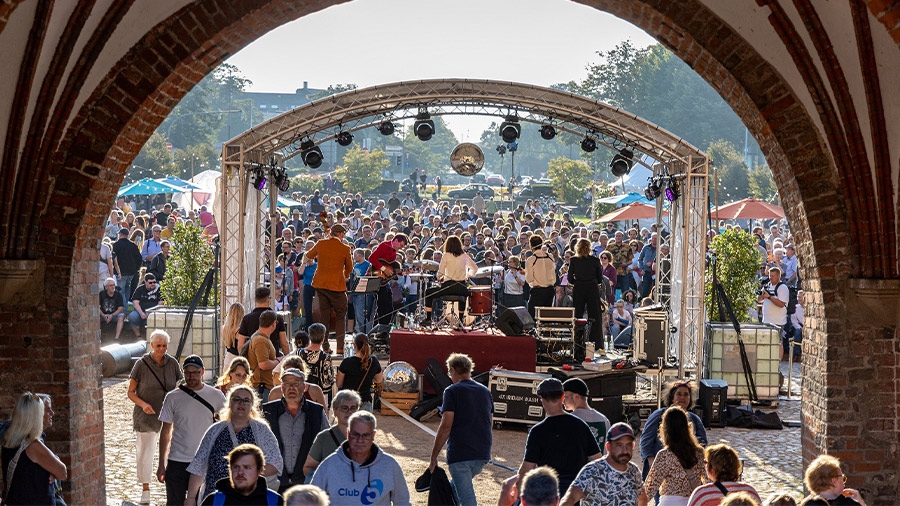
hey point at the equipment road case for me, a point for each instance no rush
(515, 396)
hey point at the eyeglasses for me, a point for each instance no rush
(362, 437)
(291, 384)
(242, 400)
(349, 408)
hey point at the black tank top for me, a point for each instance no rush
(31, 482)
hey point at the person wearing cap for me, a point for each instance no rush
(613, 480)
(295, 421)
(186, 413)
(330, 280)
(540, 274)
(561, 440)
(128, 257)
(575, 398)
(466, 426)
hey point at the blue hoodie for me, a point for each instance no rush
(379, 481)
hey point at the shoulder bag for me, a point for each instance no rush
(201, 400)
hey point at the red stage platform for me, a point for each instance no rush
(488, 349)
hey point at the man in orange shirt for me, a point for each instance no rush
(330, 280)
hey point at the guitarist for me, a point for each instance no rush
(384, 263)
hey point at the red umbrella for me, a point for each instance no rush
(749, 208)
(635, 211)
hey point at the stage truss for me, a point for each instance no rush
(243, 213)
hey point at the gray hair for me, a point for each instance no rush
(305, 495)
(159, 335)
(345, 397)
(540, 487)
(363, 416)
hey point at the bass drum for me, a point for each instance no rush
(481, 300)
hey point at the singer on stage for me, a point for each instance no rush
(382, 259)
(456, 265)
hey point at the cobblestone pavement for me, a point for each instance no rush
(772, 459)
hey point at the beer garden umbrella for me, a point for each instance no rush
(178, 182)
(634, 211)
(749, 208)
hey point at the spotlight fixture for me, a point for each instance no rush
(311, 154)
(344, 138)
(672, 192)
(282, 181)
(259, 179)
(653, 191)
(510, 129)
(621, 163)
(588, 145)
(548, 132)
(424, 126)
(386, 128)
(501, 149)
(512, 147)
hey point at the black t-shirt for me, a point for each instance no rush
(128, 255)
(250, 324)
(146, 298)
(109, 304)
(563, 442)
(838, 501)
(353, 376)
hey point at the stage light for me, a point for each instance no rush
(259, 179)
(386, 128)
(344, 138)
(672, 192)
(282, 181)
(548, 132)
(588, 145)
(512, 147)
(653, 191)
(311, 154)
(621, 163)
(510, 129)
(501, 149)
(424, 126)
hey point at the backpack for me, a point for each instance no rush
(792, 297)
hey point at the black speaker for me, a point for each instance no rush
(712, 398)
(515, 321)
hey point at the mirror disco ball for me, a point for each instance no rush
(401, 377)
(467, 159)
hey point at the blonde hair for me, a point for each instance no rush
(27, 421)
(232, 323)
(236, 362)
(225, 414)
(820, 472)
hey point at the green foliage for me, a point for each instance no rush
(154, 156)
(192, 160)
(333, 89)
(569, 178)
(433, 155)
(306, 184)
(189, 261)
(737, 266)
(734, 179)
(762, 184)
(361, 171)
(602, 190)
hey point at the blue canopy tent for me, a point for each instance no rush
(148, 186)
(625, 199)
(179, 183)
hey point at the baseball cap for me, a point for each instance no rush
(550, 386)
(576, 386)
(293, 371)
(423, 483)
(192, 360)
(618, 430)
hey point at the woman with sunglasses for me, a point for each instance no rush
(826, 482)
(679, 394)
(241, 423)
(346, 402)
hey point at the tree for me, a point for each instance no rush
(762, 184)
(193, 159)
(734, 180)
(333, 89)
(361, 172)
(190, 260)
(152, 159)
(433, 155)
(569, 178)
(736, 267)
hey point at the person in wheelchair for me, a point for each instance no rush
(455, 267)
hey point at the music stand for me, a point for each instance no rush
(366, 286)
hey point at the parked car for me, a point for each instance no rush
(469, 191)
(495, 180)
(535, 190)
(479, 178)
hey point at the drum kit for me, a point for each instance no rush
(481, 304)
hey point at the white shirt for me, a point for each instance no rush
(511, 283)
(189, 419)
(456, 268)
(772, 313)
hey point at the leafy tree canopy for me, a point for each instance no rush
(762, 184)
(433, 155)
(361, 171)
(569, 178)
(734, 178)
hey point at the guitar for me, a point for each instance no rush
(388, 269)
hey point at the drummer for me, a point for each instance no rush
(455, 267)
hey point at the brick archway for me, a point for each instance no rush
(845, 223)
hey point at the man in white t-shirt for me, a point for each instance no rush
(774, 298)
(612, 480)
(185, 418)
(575, 398)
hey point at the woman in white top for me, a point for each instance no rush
(513, 281)
(456, 265)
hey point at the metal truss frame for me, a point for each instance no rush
(242, 208)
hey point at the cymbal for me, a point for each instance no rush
(487, 271)
(428, 265)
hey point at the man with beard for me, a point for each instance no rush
(613, 480)
(245, 483)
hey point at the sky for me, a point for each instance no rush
(370, 42)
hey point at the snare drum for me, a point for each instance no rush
(481, 300)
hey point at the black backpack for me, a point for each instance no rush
(792, 297)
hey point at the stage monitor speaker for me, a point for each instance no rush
(515, 321)
(712, 398)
